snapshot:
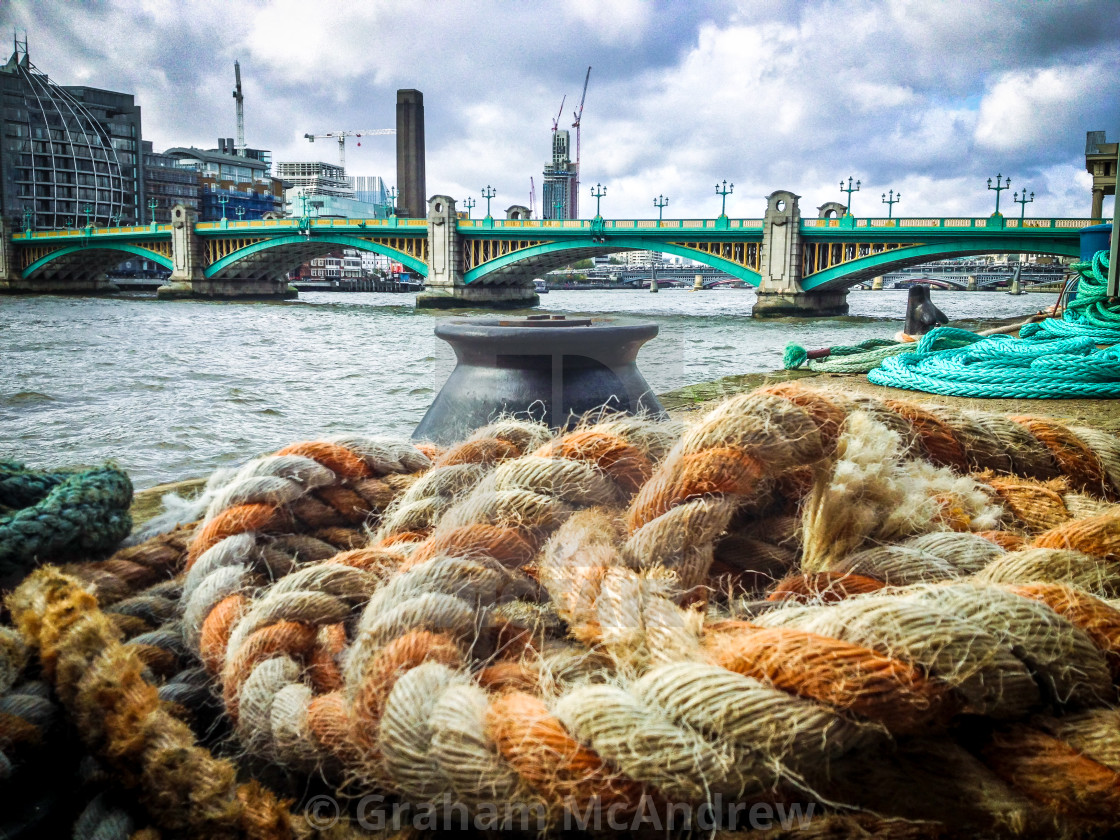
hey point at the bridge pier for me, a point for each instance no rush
(444, 287)
(188, 274)
(779, 292)
(8, 271)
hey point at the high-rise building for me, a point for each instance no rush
(559, 200)
(68, 155)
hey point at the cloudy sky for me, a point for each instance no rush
(929, 98)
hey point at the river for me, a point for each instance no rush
(171, 390)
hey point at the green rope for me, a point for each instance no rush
(60, 514)
(795, 355)
(1051, 359)
(867, 356)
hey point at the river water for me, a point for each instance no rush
(171, 390)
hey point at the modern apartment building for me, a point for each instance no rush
(69, 155)
(166, 184)
(230, 182)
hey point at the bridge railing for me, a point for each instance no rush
(316, 224)
(614, 224)
(948, 223)
(97, 231)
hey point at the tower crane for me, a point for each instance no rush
(560, 113)
(240, 110)
(342, 135)
(578, 114)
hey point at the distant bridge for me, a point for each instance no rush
(799, 266)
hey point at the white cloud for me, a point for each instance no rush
(925, 97)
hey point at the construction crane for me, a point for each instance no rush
(559, 114)
(342, 135)
(578, 114)
(240, 110)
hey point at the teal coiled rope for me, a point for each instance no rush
(53, 514)
(1052, 359)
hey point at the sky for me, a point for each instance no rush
(928, 98)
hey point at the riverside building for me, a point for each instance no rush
(69, 155)
(229, 181)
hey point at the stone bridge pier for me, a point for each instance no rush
(779, 292)
(444, 287)
(188, 269)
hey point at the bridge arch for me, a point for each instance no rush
(551, 255)
(86, 258)
(847, 274)
(296, 249)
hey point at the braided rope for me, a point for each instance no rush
(57, 513)
(537, 635)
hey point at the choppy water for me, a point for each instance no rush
(171, 390)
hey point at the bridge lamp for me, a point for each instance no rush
(488, 192)
(27, 214)
(240, 211)
(1023, 202)
(469, 203)
(88, 210)
(998, 189)
(660, 203)
(152, 205)
(598, 191)
(891, 202)
(849, 190)
(724, 193)
(392, 194)
(223, 200)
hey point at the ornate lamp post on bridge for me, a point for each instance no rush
(488, 192)
(116, 217)
(998, 189)
(891, 202)
(88, 210)
(469, 203)
(558, 209)
(28, 215)
(660, 202)
(392, 194)
(152, 205)
(240, 211)
(1024, 201)
(849, 190)
(598, 191)
(223, 200)
(724, 193)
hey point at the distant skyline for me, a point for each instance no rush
(929, 98)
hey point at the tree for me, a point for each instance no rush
(583, 264)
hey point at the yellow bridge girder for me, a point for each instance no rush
(219, 248)
(818, 256)
(478, 252)
(746, 254)
(414, 246)
(34, 253)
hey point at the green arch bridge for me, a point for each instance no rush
(798, 265)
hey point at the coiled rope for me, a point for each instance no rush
(45, 515)
(1051, 359)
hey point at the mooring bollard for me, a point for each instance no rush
(550, 368)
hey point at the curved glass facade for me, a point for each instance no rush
(69, 155)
